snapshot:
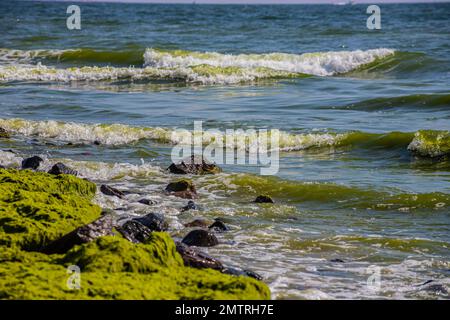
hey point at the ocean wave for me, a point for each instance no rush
(72, 56)
(318, 63)
(14, 56)
(177, 65)
(116, 134)
(428, 143)
(201, 74)
(109, 134)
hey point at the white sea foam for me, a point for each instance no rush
(10, 159)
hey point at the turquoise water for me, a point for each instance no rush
(364, 115)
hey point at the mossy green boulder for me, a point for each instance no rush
(36, 208)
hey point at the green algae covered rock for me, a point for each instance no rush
(114, 268)
(36, 208)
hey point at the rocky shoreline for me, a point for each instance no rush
(49, 223)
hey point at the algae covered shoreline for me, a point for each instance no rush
(38, 208)
(90, 120)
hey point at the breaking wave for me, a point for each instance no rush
(428, 143)
(318, 63)
(178, 65)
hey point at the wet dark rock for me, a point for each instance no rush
(190, 206)
(153, 221)
(241, 272)
(134, 231)
(148, 202)
(4, 133)
(200, 238)
(437, 288)
(201, 223)
(103, 226)
(61, 168)
(195, 258)
(194, 165)
(110, 191)
(31, 163)
(263, 199)
(182, 188)
(97, 143)
(218, 225)
(337, 260)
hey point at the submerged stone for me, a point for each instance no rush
(201, 223)
(190, 206)
(153, 221)
(337, 260)
(110, 191)
(32, 162)
(182, 188)
(148, 202)
(200, 238)
(263, 199)
(218, 225)
(61, 168)
(194, 165)
(4, 134)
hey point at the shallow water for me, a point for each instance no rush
(360, 184)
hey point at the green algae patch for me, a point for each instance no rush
(115, 254)
(37, 208)
(114, 268)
